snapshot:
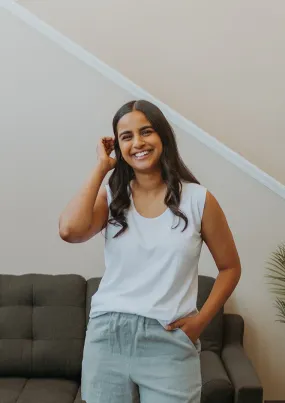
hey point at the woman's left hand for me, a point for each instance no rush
(191, 325)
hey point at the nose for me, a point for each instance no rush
(138, 141)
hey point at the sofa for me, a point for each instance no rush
(43, 320)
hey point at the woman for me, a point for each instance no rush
(143, 333)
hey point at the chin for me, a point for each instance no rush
(145, 168)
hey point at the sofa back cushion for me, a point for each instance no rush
(42, 325)
(212, 337)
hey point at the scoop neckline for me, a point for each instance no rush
(143, 217)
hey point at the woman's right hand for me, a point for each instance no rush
(104, 149)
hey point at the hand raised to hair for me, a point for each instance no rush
(104, 149)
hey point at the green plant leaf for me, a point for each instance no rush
(277, 265)
(278, 292)
(280, 305)
(276, 280)
(271, 270)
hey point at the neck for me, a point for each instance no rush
(148, 182)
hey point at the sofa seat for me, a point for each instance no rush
(39, 390)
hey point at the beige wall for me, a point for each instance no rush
(220, 63)
(53, 110)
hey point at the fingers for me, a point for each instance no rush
(108, 143)
(175, 325)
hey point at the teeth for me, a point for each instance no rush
(141, 154)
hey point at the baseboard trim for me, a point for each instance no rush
(138, 93)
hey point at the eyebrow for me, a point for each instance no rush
(141, 129)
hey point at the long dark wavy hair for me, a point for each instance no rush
(173, 169)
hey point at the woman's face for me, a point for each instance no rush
(140, 145)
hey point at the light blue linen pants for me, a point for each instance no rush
(129, 358)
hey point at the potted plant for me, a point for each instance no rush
(276, 276)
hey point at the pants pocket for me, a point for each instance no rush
(196, 345)
(98, 328)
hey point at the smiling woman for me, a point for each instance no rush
(144, 326)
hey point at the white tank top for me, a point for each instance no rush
(152, 269)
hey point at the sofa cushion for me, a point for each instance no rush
(212, 337)
(42, 325)
(35, 390)
(10, 389)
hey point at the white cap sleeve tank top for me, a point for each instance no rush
(151, 269)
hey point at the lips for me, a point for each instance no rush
(141, 154)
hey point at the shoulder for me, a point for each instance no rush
(194, 189)
(192, 203)
(204, 207)
(194, 195)
(205, 201)
(212, 209)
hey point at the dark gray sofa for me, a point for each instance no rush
(43, 321)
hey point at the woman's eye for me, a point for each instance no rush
(127, 137)
(147, 132)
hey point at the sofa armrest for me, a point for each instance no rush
(216, 385)
(246, 383)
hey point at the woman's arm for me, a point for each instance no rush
(86, 214)
(217, 235)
